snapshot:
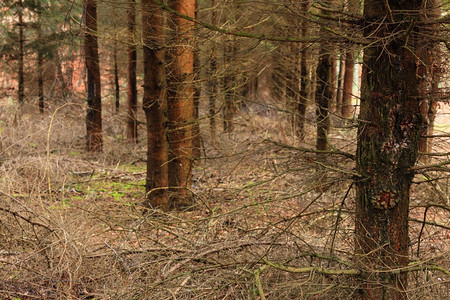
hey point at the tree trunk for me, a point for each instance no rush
(334, 74)
(387, 146)
(353, 7)
(116, 79)
(196, 136)
(304, 78)
(132, 132)
(229, 89)
(40, 63)
(347, 106)
(430, 75)
(155, 107)
(340, 83)
(40, 60)
(94, 140)
(21, 80)
(323, 96)
(292, 81)
(181, 103)
(212, 82)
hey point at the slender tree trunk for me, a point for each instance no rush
(40, 60)
(340, 92)
(323, 96)
(229, 88)
(347, 106)
(155, 107)
(212, 94)
(116, 79)
(40, 63)
(293, 84)
(334, 82)
(21, 55)
(324, 93)
(212, 82)
(353, 6)
(132, 132)
(430, 77)
(181, 103)
(304, 77)
(387, 146)
(94, 140)
(196, 136)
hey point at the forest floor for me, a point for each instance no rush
(72, 225)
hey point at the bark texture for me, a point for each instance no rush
(132, 133)
(94, 140)
(388, 137)
(155, 107)
(181, 102)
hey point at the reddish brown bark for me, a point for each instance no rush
(181, 103)
(387, 147)
(132, 133)
(155, 106)
(94, 140)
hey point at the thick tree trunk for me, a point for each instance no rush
(94, 140)
(132, 133)
(181, 103)
(388, 137)
(155, 107)
(21, 80)
(116, 79)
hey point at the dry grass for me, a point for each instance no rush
(71, 224)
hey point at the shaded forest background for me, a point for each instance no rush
(271, 214)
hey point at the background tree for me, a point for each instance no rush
(132, 132)
(21, 54)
